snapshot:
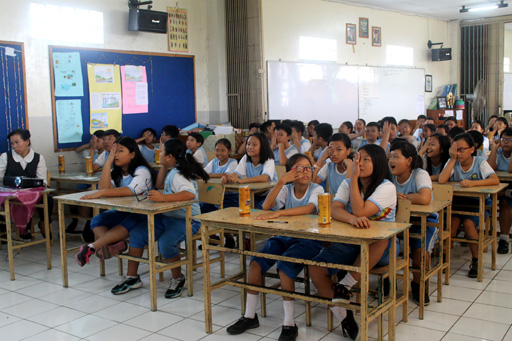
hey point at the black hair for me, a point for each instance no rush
(225, 142)
(455, 131)
(254, 125)
(199, 138)
(444, 146)
(99, 133)
(112, 132)
(265, 151)
(408, 151)
(469, 140)
(137, 161)
(491, 117)
(445, 127)
(324, 130)
(298, 126)
(362, 120)
(389, 119)
(450, 118)
(502, 119)
(373, 124)
(405, 121)
(343, 138)
(430, 119)
(506, 131)
(349, 125)
(287, 122)
(313, 123)
(265, 126)
(421, 117)
(381, 170)
(284, 127)
(479, 123)
(185, 162)
(151, 130)
(477, 137)
(171, 130)
(430, 127)
(294, 159)
(23, 133)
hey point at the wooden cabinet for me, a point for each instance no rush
(439, 114)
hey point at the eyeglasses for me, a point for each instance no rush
(146, 192)
(505, 140)
(462, 149)
(303, 169)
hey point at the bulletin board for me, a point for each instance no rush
(13, 90)
(171, 90)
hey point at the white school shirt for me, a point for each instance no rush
(418, 179)
(248, 170)
(479, 170)
(330, 172)
(148, 154)
(41, 170)
(102, 158)
(199, 156)
(139, 183)
(175, 182)
(289, 152)
(287, 199)
(213, 167)
(502, 161)
(305, 145)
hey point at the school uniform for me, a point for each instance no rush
(199, 155)
(101, 159)
(87, 152)
(436, 170)
(384, 197)
(289, 152)
(379, 141)
(148, 154)
(170, 227)
(230, 198)
(305, 145)
(330, 172)
(318, 152)
(485, 144)
(289, 246)
(246, 169)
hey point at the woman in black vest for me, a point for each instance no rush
(23, 161)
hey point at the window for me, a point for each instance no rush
(62, 23)
(506, 64)
(317, 49)
(399, 55)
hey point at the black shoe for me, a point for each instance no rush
(502, 247)
(229, 243)
(349, 326)
(341, 293)
(72, 226)
(175, 287)
(26, 236)
(87, 234)
(415, 290)
(473, 269)
(289, 333)
(243, 324)
(215, 237)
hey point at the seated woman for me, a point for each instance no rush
(21, 160)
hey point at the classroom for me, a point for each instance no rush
(409, 84)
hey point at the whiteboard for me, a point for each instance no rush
(507, 91)
(334, 93)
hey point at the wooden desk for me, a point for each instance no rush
(423, 211)
(130, 204)
(484, 239)
(255, 187)
(302, 227)
(75, 178)
(504, 176)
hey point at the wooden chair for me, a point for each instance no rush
(210, 156)
(280, 170)
(445, 193)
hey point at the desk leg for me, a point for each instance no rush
(95, 212)
(441, 256)
(8, 230)
(392, 291)
(151, 260)
(448, 246)
(243, 270)
(206, 279)
(364, 290)
(47, 232)
(494, 227)
(422, 265)
(63, 249)
(190, 263)
(481, 237)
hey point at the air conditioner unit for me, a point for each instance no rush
(147, 20)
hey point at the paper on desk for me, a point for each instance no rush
(223, 130)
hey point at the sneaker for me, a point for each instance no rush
(502, 247)
(109, 251)
(349, 326)
(289, 333)
(473, 269)
(127, 284)
(82, 257)
(175, 287)
(415, 290)
(341, 293)
(243, 324)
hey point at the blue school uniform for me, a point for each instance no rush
(201, 151)
(502, 161)
(230, 198)
(217, 169)
(305, 145)
(291, 150)
(333, 176)
(148, 154)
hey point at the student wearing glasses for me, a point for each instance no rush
(124, 174)
(468, 170)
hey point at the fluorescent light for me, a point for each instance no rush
(483, 8)
(465, 9)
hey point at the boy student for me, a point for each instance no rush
(169, 132)
(195, 147)
(420, 122)
(311, 127)
(95, 146)
(321, 135)
(298, 140)
(388, 127)
(405, 128)
(430, 120)
(450, 121)
(490, 124)
(253, 128)
(265, 128)
(281, 144)
(478, 126)
(442, 129)
(499, 160)
(109, 139)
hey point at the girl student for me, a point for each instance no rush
(146, 144)
(367, 195)
(293, 195)
(339, 168)
(468, 170)
(435, 154)
(413, 183)
(177, 179)
(255, 166)
(125, 173)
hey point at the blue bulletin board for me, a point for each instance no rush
(171, 90)
(13, 100)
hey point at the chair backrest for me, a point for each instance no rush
(210, 156)
(211, 193)
(280, 170)
(403, 211)
(442, 192)
(48, 177)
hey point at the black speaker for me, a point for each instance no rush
(441, 54)
(146, 20)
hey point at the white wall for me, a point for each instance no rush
(322, 19)
(206, 43)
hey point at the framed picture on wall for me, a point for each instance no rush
(376, 36)
(441, 102)
(428, 83)
(364, 30)
(351, 34)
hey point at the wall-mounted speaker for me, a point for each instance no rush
(441, 54)
(146, 20)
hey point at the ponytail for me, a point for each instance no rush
(185, 162)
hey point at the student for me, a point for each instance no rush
(298, 140)
(253, 128)
(195, 147)
(95, 146)
(256, 166)
(293, 195)
(500, 125)
(346, 128)
(177, 179)
(340, 166)
(282, 148)
(389, 130)
(360, 126)
(478, 126)
(414, 184)
(490, 126)
(169, 132)
(110, 137)
(451, 122)
(427, 131)
(469, 170)
(404, 127)
(321, 135)
(222, 164)
(436, 154)
(418, 129)
(499, 159)
(442, 129)
(147, 148)
(372, 134)
(430, 120)
(368, 195)
(360, 130)
(454, 132)
(478, 138)
(266, 129)
(125, 173)
(311, 127)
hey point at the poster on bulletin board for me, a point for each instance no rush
(177, 29)
(134, 82)
(104, 97)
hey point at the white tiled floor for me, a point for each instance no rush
(36, 307)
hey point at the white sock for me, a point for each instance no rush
(91, 246)
(348, 281)
(289, 312)
(505, 237)
(250, 306)
(339, 312)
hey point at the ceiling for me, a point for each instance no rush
(442, 9)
